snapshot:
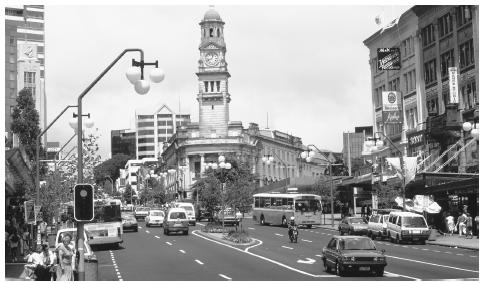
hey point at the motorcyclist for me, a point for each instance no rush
(291, 226)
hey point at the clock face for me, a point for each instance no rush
(212, 59)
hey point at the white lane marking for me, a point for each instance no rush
(181, 251)
(448, 252)
(404, 246)
(116, 268)
(201, 224)
(140, 227)
(147, 231)
(246, 250)
(424, 249)
(224, 276)
(199, 262)
(307, 261)
(169, 243)
(262, 257)
(473, 256)
(307, 241)
(319, 255)
(250, 228)
(415, 248)
(157, 237)
(429, 263)
(287, 247)
(280, 235)
(459, 254)
(391, 274)
(436, 251)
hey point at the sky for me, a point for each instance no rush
(304, 65)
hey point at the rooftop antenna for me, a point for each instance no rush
(267, 122)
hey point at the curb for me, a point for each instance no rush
(453, 246)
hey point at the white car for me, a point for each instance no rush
(190, 211)
(155, 217)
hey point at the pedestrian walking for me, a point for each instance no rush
(461, 224)
(363, 211)
(469, 227)
(450, 226)
(66, 260)
(43, 230)
(14, 241)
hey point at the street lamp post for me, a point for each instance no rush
(37, 143)
(222, 165)
(308, 156)
(378, 143)
(141, 86)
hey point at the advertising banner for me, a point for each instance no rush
(392, 107)
(416, 139)
(388, 59)
(29, 212)
(453, 85)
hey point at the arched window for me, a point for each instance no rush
(211, 32)
(218, 31)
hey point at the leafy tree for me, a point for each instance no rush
(91, 159)
(110, 168)
(322, 187)
(386, 196)
(54, 192)
(128, 194)
(25, 122)
(239, 186)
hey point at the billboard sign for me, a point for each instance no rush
(453, 85)
(388, 59)
(391, 107)
(29, 211)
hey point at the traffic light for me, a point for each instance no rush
(83, 202)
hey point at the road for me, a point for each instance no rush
(150, 255)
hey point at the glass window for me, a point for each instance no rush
(414, 222)
(428, 35)
(445, 25)
(463, 15)
(430, 71)
(447, 60)
(176, 215)
(467, 54)
(257, 202)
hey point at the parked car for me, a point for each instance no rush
(377, 226)
(129, 222)
(353, 225)
(407, 226)
(155, 217)
(203, 213)
(190, 211)
(353, 253)
(141, 212)
(228, 216)
(176, 220)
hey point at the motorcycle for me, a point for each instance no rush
(293, 234)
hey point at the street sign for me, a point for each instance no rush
(29, 211)
(453, 84)
(37, 212)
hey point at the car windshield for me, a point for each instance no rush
(357, 244)
(416, 222)
(157, 213)
(356, 221)
(128, 217)
(176, 215)
(143, 209)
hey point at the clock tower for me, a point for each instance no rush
(213, 96)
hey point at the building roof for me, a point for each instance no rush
(212, 15)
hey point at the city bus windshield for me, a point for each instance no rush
(107, 213)
(307, 205)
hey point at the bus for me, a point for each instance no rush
(277, 208)
(106, 227)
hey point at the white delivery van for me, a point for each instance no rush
(190, 211)
(407, 226)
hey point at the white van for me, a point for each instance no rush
(190, 211)
(407, 226)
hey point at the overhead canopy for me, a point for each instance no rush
(420, 204)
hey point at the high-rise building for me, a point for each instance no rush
(154, 129)
(353, 145)
(24, 61)
(123, 142)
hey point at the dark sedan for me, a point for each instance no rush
(353, 253)
(129, 222)
(353, 225)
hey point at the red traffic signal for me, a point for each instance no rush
(83, 202)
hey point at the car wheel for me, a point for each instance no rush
(185, 232)
(309, 226)
(136, 229)
(338, 269)
(398, 241)
(326, 266)
(380, 272)
(284, 222)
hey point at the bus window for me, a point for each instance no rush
(266, 202)
(257, 202)
(307, 205)
(273, 202)
(279, 202)
(284, 201)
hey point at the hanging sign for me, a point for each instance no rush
(388, 59)
(453, 85)
(391, 107)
